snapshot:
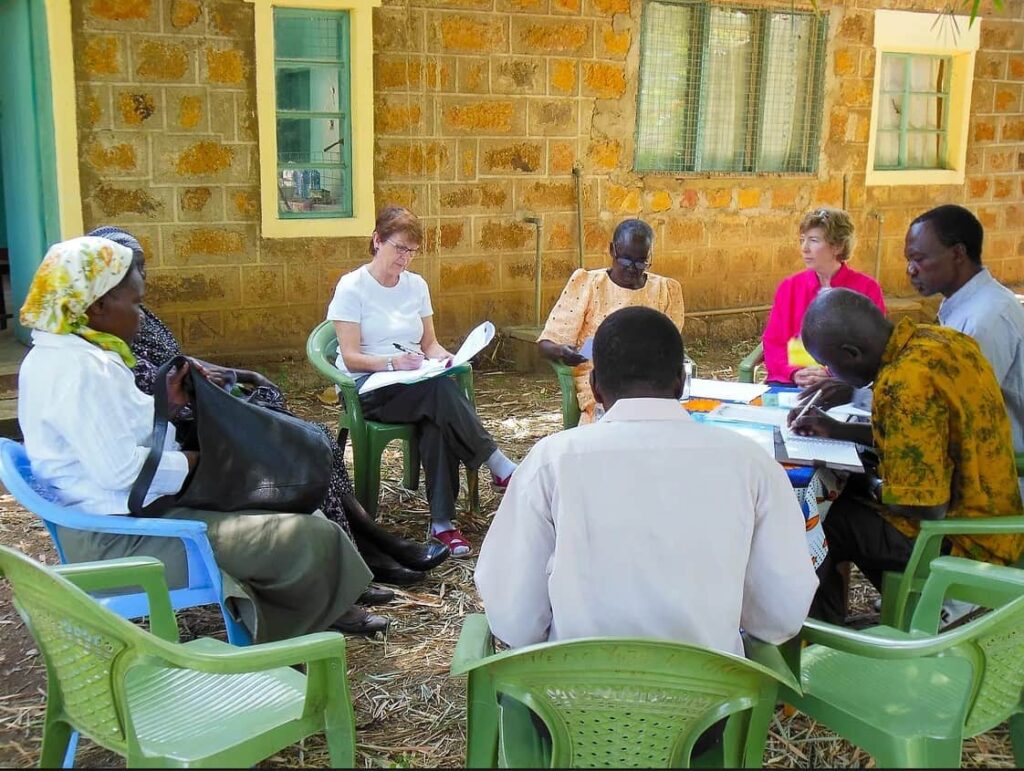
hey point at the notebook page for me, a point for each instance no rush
(812, 448)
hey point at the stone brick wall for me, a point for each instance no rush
(482, 108)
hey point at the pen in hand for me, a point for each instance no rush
(403, 349)
(807, 406)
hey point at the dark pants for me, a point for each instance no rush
(448, 429)
(855, 532)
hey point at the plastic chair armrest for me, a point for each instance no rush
(475, 644)
(144, 572)
(749, 363)
(996, 584)
(877, 645)
(982, 526)
(122, 524)
(254, 658)
(773, 658)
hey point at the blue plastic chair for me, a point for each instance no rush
(204, 582)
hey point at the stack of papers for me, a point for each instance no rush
(725, 390)
(831, 452)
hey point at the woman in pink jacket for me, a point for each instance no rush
(826, 240)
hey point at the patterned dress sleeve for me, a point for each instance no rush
(566, 319)
(153, 345)
(674, 306)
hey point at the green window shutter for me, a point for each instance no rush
(913, 114)
(732, 89)
(314, 130)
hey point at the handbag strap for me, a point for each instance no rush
(137, 496)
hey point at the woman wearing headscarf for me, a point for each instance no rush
(392, 559)
(87, 429)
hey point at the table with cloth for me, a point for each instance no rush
(815, 488)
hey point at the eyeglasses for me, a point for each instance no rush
(403, 250)
(626, 262)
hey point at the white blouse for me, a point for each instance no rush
(87, 427)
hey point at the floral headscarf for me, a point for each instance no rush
(72, 276)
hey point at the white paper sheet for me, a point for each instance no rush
(725, 390)
(587, 349)
(746, 413)
(475, 342)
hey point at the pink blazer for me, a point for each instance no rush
(792, 299)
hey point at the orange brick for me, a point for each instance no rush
(978, 187)
(659, 200)
(718, 198)
(562, 155)
(136, 108)
(482, 116)
(615, 43)
(610, 7)
(554, 38)
(102, 55)
(161, 61)
(623, 199)
(1013, 130)
(689, 198)
(607, 81)
(984, 130)
(392, 118)
(468, 34)
(225, 66)
(120, 157)
(845, 62)
(121, 10)
(190, 111)
(1003, 188)
(185, 13)
(1007, 100)
(749, 197)
(563, 75)
(1017, 67)
(204, 158)
(604, 154)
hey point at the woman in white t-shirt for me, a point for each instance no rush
(385, 322)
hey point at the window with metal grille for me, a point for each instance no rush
(728, 88)
(314, 133)
(913, 111)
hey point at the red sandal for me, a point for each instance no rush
(455, 541)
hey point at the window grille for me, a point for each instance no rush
(726, 88)
(314, 132)
(913, 112)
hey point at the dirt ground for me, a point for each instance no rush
(409, 712)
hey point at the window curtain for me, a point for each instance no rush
(787, 93)
(727, 85)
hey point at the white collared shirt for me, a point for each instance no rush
(647, 524)
(87, 427)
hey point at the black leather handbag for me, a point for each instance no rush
(250, 457)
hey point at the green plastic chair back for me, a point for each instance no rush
(609, 703)
(567, 387)
(157, 702)
(369, 438)
(909, 698)
(901, 591)
(749, 363)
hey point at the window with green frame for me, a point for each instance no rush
(913, 112)
(314, 130)
(727, 88)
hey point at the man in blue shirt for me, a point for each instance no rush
(943, 252)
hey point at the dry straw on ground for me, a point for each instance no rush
(409, 712)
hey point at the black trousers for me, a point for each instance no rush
(856, 533)
(449, 432)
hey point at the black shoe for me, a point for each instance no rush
(397, 575)
(420, 556)
(357, 620)
(375, 595)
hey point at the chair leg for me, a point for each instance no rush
(1017, 738)
(58, 750)
(473, 490)
(411, 464)
(371, 479)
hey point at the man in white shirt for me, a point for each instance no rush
(646, 523)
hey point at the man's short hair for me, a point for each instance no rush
(637, 348)
(629, 231)
(954, 225)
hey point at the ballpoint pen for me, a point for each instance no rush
(807, 407)
(403, 349)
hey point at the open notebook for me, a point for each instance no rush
(813, 450)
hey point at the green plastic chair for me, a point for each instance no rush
(160, 703)
(369, 438)
(901, 591)
(749, 363)
(610, 703)
(910, 698)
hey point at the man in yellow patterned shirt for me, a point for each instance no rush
(939, 425)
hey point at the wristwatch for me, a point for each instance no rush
(391, 364)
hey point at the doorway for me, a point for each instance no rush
(29, 205)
